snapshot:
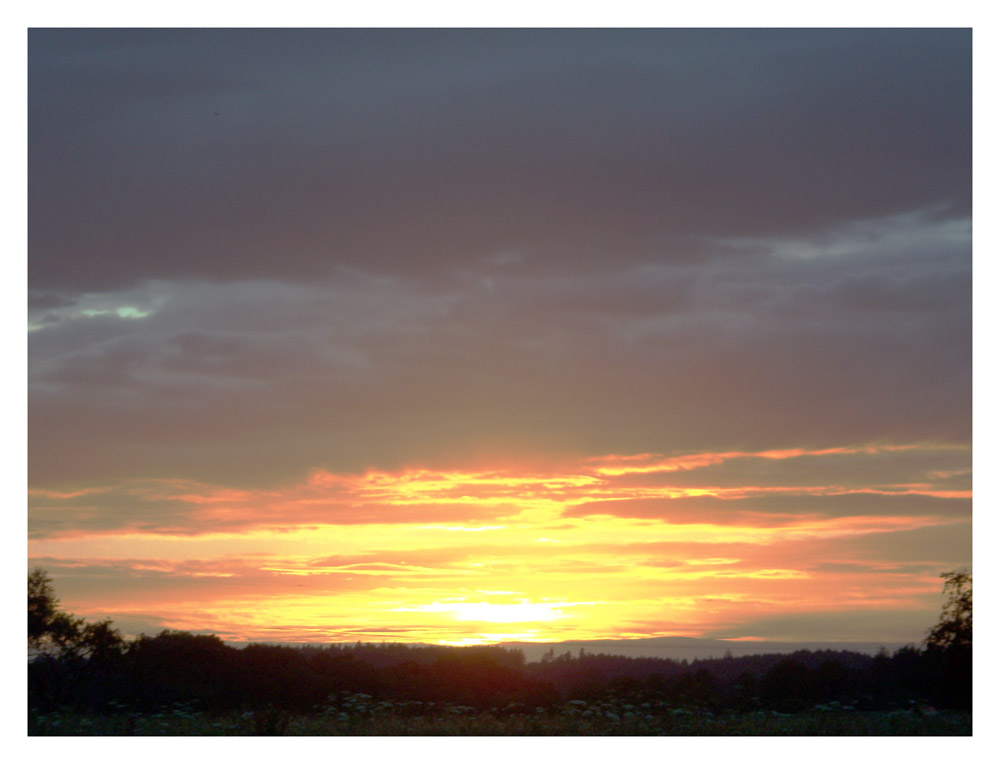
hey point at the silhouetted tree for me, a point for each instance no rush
(745, 692)
(180, 667)
(70, 659)
(954, 628)
(49, 628)
(787, 686)
(949, 643)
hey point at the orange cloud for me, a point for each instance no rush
(591, 550)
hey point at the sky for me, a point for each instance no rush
(466, 336)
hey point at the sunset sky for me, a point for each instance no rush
(467, 336)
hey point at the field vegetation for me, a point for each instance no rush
(359, 715)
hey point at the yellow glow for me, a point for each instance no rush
(445, 556)
(489, 612)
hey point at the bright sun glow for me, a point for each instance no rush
(607, 547)
(488, 612)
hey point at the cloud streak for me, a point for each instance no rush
(616, 485)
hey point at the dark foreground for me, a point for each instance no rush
(86, 679)
(363, 716)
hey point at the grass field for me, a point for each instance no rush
(362, 716)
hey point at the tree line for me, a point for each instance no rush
(91, 667)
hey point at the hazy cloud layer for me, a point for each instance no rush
(218, 381)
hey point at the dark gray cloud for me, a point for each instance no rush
(181, 154)
(207, 379)
(255, 253)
